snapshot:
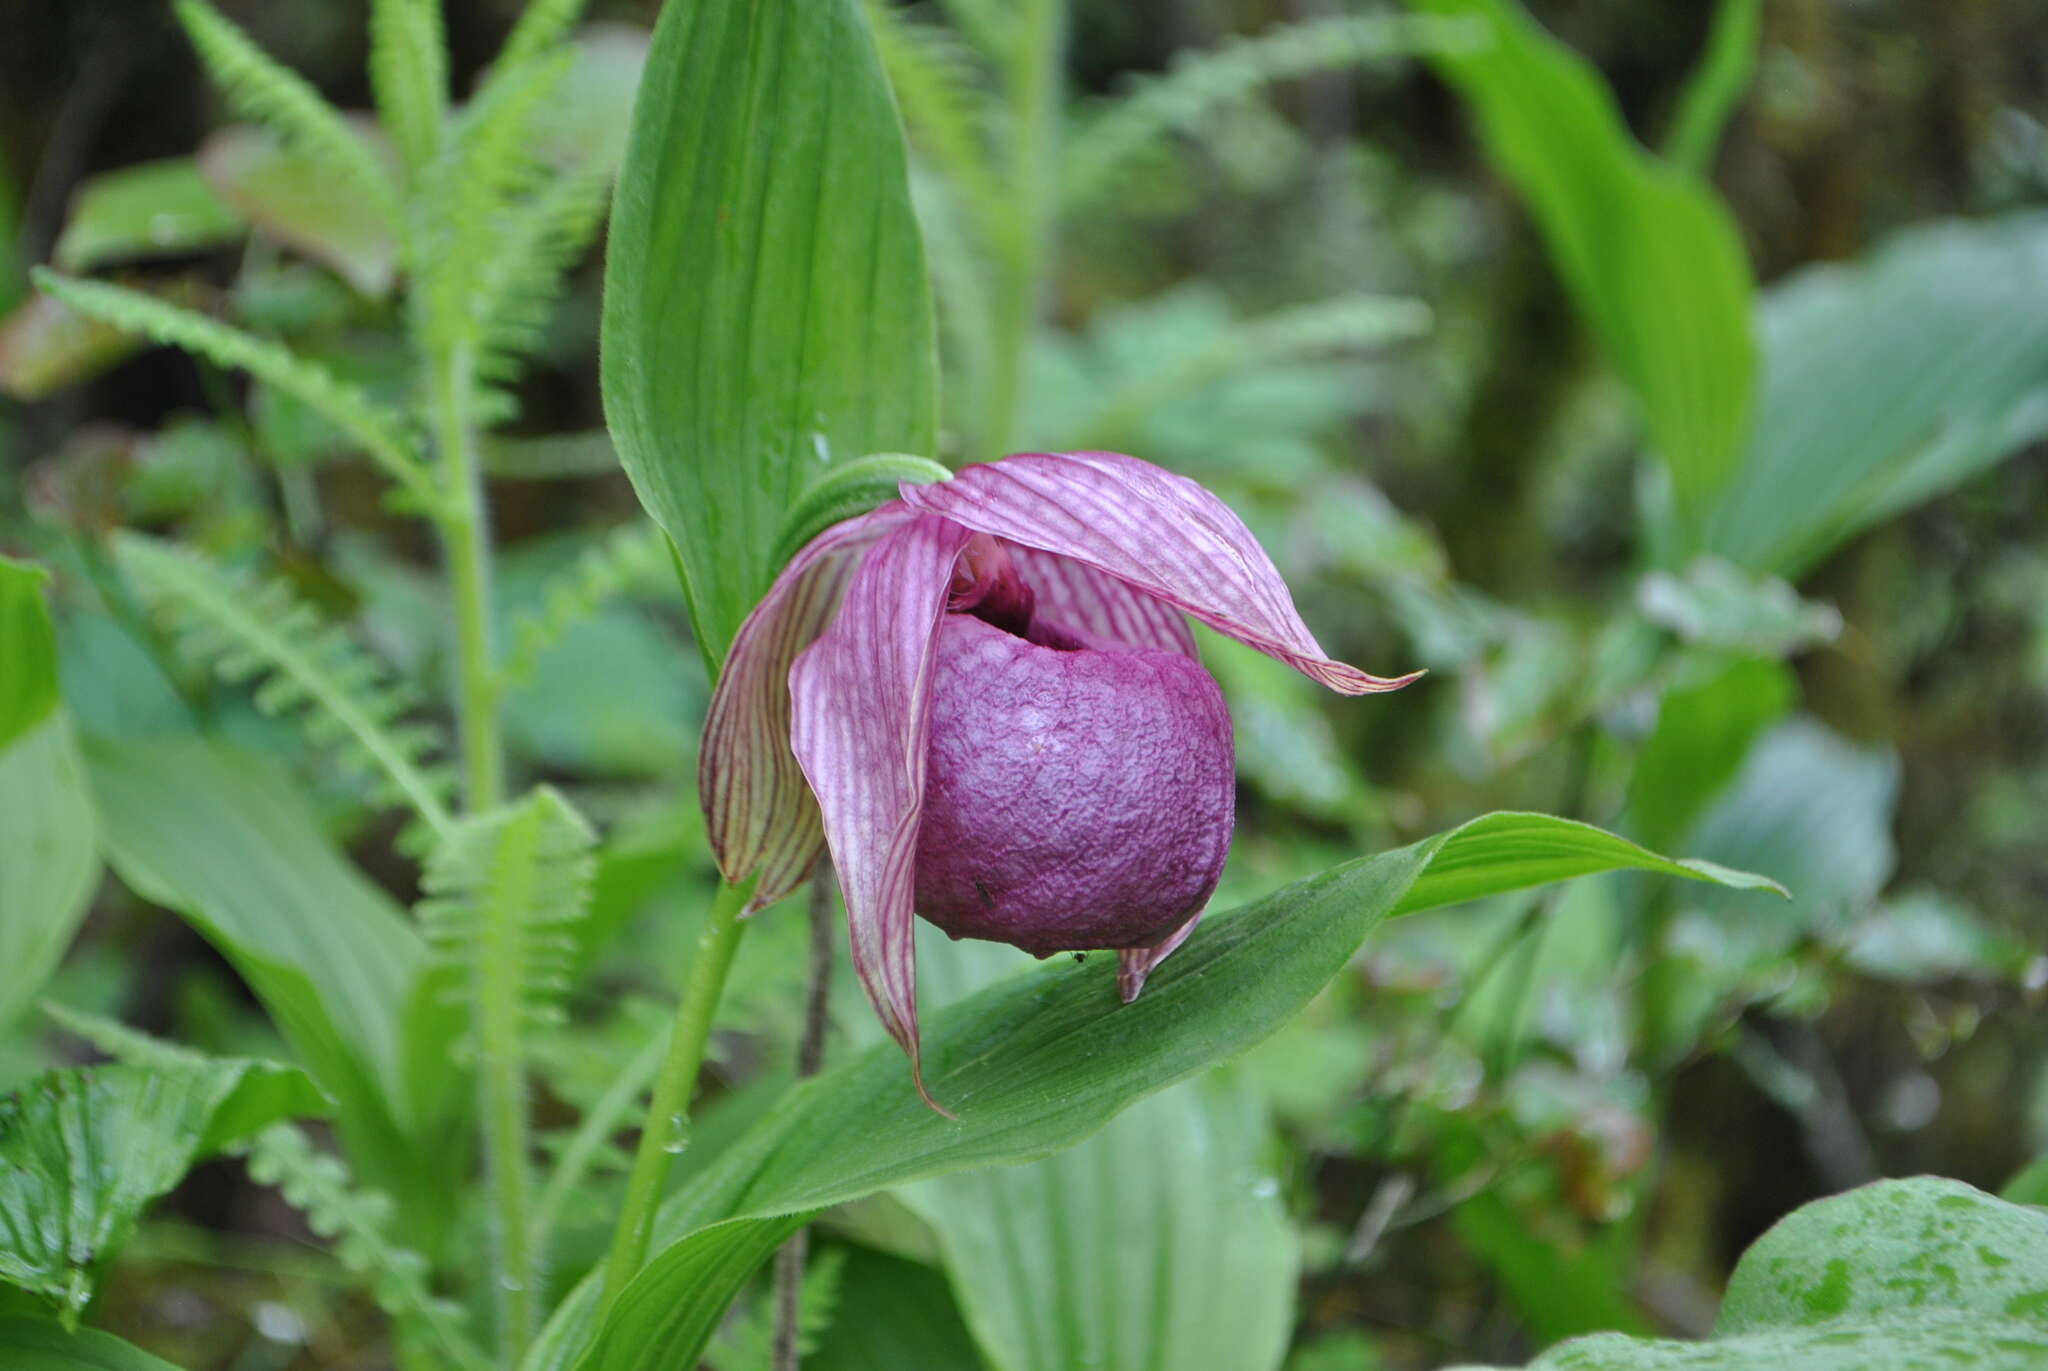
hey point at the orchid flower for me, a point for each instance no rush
(985, 699)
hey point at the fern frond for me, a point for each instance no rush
(502, 890)
(943, 90)
(409, 73)
(1352, 323)
(748, 1343)
(632, 555)
(486, 169)
(380, 431)
(538, 245)
(358, 1222)
(960, 263)
(251, 629)
(265, 91)
(120, 1042)
(1138, 124)
(542, 25)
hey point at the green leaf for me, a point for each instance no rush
(28, 644)
(766, 307)
(223, 838)
(1651, 255)
(49, 859)
(289, 195)
(1716, 87)
(1892, 1245)
(848, 489)
(1039, 1061)
(1886, 382)
(45, 345)
(83, 1152)
(894, 1314)
(38, 1345)
(1703, 732)
(1160, 1241)
(153, 209)
(1915, 1275)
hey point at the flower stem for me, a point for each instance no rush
(666, 1130)
(1033, 86)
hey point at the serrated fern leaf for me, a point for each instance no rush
(538, 244)
(943, 89)
(269, 93)
(380, 431)
(409, 73)
(487, 172)
(748, 1343)
(1139, 124)
(255, 630)
(358, 1222)
(541, 25)
(503, 889)
(632, 555)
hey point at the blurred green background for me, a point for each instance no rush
(1301, 278)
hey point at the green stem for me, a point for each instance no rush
(1033, 81)
(501, 1075)
(466, 533)
(666, 1130)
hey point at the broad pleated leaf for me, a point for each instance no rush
(38, 1345)
(49, 859)
(766, 308)
(1651, 255)
(1041, 1060)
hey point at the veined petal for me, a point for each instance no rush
(861, 728)
(1154, 531)
(758, 812)
(1134, 964)
(1077, 595)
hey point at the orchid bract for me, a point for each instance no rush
(984, 698)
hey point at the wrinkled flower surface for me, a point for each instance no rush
(985, 699)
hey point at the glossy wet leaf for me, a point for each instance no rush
(154, 209)
(1650, 253)
(83, 1152)
(766, 308)
(1039, 1061)
(39, 1345)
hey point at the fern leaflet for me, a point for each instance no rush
(381, 432)
(942, 89)
(542, 25)
(409, 73)
(539, 242)
(271, 94)
(1201, 83)
(503, 890)
(358, 1222)
(630, 555)
(250, 628)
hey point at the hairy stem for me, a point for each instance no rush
(1033, 85)
(501, 1075)
(666, 1131)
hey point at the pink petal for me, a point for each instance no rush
(1134, 964)
(1156, 532)
(862, 725)
(758, 812)
(1078, 596)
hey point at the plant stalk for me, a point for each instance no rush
(666, 1129)
(466, 534)
(791, 1257)
(1033, 83)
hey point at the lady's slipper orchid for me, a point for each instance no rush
(991, 689)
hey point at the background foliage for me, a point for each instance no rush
(1668, 383)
